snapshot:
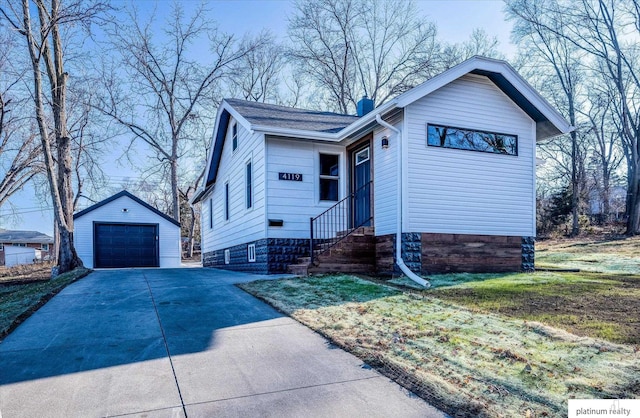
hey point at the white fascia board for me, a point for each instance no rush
(237, 116)
(368, 118)
(490, 65)
(296, 133)
(433, 84)
(538, 101)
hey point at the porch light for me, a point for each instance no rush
(385, 142)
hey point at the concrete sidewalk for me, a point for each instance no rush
(182, 342)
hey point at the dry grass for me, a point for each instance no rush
(25, 273)
(468, 363)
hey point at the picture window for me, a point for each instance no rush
(467, 139)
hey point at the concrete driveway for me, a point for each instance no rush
(182, 342)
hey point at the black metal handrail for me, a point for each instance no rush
(338, 222)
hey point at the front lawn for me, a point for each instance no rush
(596, 305)
(468, 362)
(618, 256)
(24, 290)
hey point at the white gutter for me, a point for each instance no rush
(399, 261)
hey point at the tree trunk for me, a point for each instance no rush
(192, 227)
(633, 202)
(175, 195)
(60, 182)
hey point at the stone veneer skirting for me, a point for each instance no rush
(273, 255)
(429, 253)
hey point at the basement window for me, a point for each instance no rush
(251, 253)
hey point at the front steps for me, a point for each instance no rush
(356, 253)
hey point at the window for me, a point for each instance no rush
(450, 137)
(227, 256)
(1, 247)
(234, 136)
(329, 177)
(45, 247)
(226, 201)
(210, 213)
(248, 188)
(251, 253)
(20, 245)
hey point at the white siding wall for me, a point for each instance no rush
(385, 178)
(295, 202)
(467, 192)
(169, 233)
(244, 225)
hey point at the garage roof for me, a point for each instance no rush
(130, 196)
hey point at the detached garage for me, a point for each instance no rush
(124, 231)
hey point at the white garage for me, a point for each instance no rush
(124, 231)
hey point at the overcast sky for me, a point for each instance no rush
(455, 20)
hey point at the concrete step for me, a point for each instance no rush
(299, 269)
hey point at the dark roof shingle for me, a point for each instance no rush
(24, 237)
(264, 114)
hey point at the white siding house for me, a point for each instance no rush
(442, 176)
(124, 231)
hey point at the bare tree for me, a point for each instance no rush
(479, 43)
(19, 146)
(256, 75)
(159, 92)
(559, 59)
(607, 155)
(350, 48)
(44, 41)
(608, 31)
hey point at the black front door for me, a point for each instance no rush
(362, 187)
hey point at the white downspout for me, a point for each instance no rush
(399, 261)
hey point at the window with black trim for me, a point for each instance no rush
(468, 139)
(234, 136)
(210, 213)
(329, 176)
(226, 201)
(248, 185)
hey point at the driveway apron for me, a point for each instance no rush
(182, 342)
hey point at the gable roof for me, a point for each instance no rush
(332, 127)
(130, 196)
(24, 237)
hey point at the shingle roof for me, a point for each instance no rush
(24, 237)
(263, 114)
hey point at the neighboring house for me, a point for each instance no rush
(124, 231)
(40, 245)
(448, 166)
(617, 203)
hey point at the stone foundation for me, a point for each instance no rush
(273, 255)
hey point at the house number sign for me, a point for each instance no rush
(290, 176)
